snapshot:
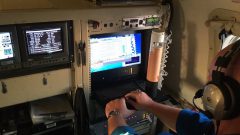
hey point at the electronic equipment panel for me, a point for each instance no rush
(150, 21)
(115, 51)
(9, 49)
(46, 44)
(140, 121)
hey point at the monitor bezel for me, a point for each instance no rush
(26, 57)
(16, 59)
(102, 78)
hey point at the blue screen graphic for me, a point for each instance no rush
(115, 51)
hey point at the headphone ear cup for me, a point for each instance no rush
(216, 99)
(234, 90)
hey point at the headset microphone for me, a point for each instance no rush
(197, 95)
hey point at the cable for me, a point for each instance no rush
(218, 124)
(139, 85)
(207, 113)
(163, 72)
(170, 4)
(199, 109)
(197, 95)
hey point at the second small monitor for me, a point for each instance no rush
(46, 44)
(45, 41)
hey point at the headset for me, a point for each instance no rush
(221, 95)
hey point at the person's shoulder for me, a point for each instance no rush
(193, 123)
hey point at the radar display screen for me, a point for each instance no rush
(6, 46)
(44, 41)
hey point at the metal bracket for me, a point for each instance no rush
(44, 81)
(4, 87)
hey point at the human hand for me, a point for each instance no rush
(139, 100)
(118, 105)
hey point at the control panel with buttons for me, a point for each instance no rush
(150, 21)
(96, 26)
(140, 121)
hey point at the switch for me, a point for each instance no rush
(111, 24)
(4, 88)
(105, 25)
(140, 21)
(136, 25)
(94, 24)
(44, 81)
(127, 23)
(130, 25)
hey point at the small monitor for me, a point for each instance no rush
(46, 44)
(6, 46)
(44, 41)
(113, 51)
(9, 50)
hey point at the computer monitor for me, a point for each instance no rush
(115, 51)
(44, 41)
(9, 49)
(115, 57)
(46, 44)
(6, 46)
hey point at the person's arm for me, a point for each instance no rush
(183, 121)
(114, 122)
(116, 112)
(167, 114)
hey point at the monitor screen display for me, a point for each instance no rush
(44, 41)
(115, 51)
(6, 46)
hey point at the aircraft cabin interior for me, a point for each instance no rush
(62, 61)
